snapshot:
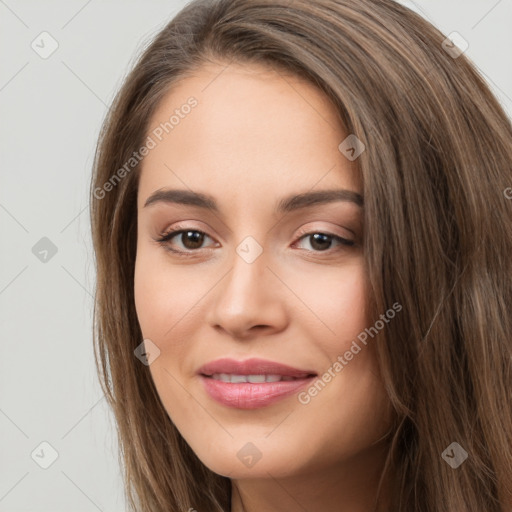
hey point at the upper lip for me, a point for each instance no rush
(252, 366)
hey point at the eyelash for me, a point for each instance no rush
(166, 237)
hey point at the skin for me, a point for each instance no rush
(256, 136)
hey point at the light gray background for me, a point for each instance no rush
(51, 111)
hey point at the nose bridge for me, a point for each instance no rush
(244, 297)
(247, 280)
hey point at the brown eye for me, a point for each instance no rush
(191, 239)
(321, 242)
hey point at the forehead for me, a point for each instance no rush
(251, 131)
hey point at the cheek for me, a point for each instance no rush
(351, 393)
(168, 302)
(163, 295)
(347, 309)
(333, 303)
(164, 302)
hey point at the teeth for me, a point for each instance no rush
(254, 379)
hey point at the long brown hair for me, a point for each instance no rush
(438, 240)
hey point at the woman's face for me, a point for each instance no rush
(256, 274)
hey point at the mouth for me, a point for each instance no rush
(253, 383)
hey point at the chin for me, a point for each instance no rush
(252, 457)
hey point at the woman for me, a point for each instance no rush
(303, 236)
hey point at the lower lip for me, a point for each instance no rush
(245, 395)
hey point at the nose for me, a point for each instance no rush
(250, 300)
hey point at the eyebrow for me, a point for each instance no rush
(285, 205)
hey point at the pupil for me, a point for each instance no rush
(194, 237)
(320, 236)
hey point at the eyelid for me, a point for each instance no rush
(310, 231)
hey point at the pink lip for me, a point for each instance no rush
(246, 395)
